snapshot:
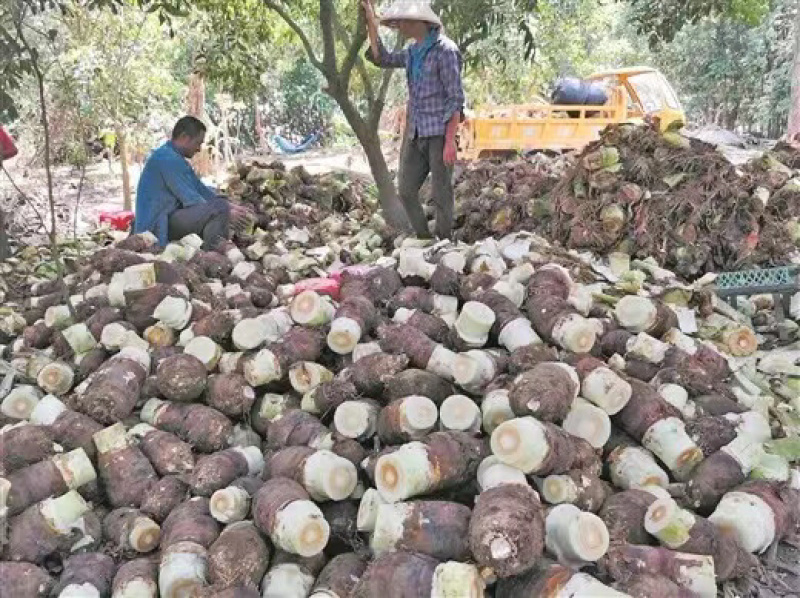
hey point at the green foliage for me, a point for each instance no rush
(15, 60)
(299, 107)
(472, 21)
(661, 20)
(576, 38)
(233, 42)
(733, 75)
(119, 63)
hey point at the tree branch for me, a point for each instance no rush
(40, 84)
(312, 56)
(26, 198)
(355, 46)
(327, 14)
(369, 90)
(345, 39)
(380, 101)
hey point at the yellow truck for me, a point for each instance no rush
(634, 94)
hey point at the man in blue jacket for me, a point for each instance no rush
(172, 201)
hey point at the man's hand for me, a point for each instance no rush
(369, 10)
(240, 216)
(450, 152)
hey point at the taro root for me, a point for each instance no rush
(442, 461)
(190, 522)
(326, 397)
(537, 448)
(558, 322)
(291, 574)
(25, 580)
(206, 429)
(51, 477)
(323, 474)
(585, 491)
(639, 314)
(355, 317)
(689, 571)
(298, 428)
(230, 394)
(550, 579)
(679, 529)
(414, 575)
(45, 529)
(283, 511)
(215, 472)
(421, 351)
(168, 453)
(181, 378)
(129, 530)
(339, 576)
(436, 528)
(239, 556)
(757, 514)
(232, 503)
(24, 445)
(163, 497)
(722, 472)
(182, 569)
(113, 391)
(371, 374)
(574, 536)
(545, 392)
(136, 577)
(506, 531)
(126, 474)
(86, 573)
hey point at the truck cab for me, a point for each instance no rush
(634, 94)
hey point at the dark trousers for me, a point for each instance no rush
(209, 220)
(419, 157)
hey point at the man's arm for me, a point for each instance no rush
(450, 73)
(377, 53)
(182, 182)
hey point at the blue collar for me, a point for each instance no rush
(419, 51)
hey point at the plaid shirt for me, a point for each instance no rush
(438, 94)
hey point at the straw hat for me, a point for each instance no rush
(410, 10)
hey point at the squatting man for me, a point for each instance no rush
(172, 201)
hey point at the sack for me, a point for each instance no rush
(7, 148)
(570, 91)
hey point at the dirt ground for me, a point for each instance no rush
(101, 189)
(80, 203)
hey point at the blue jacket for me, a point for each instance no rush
(167, 184)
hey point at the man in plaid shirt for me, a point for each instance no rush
(435, 107)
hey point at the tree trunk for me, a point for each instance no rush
(393, 211)
(260, 141)
(794, 110)
(196, 106)
(127, 201)
(5, 249)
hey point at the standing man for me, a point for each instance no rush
(435, 107)
(172, 201)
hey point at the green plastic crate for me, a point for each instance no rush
(768, 280)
